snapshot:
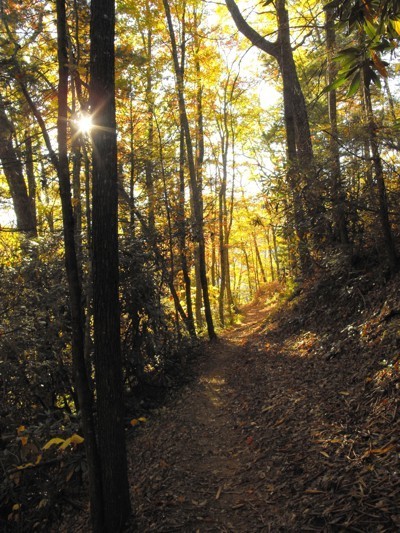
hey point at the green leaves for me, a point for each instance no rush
(379, 24)
(351, 61)
(357, 65)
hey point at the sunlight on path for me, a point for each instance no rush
(205, 463)
(213, 389)
(200, 454)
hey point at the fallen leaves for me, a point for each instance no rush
(136, 421)
(380, 451)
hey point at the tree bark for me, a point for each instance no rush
(338, 194)
(24, 207)
(383, 208)
(107, 348)
(150, 130)
(298, 136)
(81, 381)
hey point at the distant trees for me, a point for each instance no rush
(300, 159)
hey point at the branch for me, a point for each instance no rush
(254, 37)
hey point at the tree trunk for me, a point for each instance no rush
(107, 348)
(181, 218)
(181, 223)
(150, 133)
(199, 164)
(81, 381)
(23, 204)
(300, 174)
(259, 260)
(30, 174)
(384, 219)
(338, 194)
(198, 229)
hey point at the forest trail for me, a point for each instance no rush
(195, 458)
(272, 436)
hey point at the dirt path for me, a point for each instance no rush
(273, 436)
(194, 459)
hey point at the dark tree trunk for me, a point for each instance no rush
(181, 224)
(298, 136)
(383, 208)
(199, 164)
(259, 260)
(30, 174)
(150, 132)
(75, 293)
(181, 219)
(107, 349)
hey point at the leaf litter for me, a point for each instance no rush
(291, 424)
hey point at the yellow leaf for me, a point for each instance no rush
(38, 459)
(42, 503)
(26, 465)
(16, 507)
(135, 421)
(51, 442)
(76, 439)
(24, 441)
(396, 25)
(65, 444)
(20, 429)
(344, 393)
(324, 454)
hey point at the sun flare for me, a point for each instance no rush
(84, 124)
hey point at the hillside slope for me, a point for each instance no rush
(291, 424)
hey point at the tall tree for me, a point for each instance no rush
(298, 136)
(107, 348)
(81, 382)
(196, 193)
(374, 151)
(338, 193)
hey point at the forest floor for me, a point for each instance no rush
(291, 423)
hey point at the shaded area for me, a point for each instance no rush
(287, 428)
(291, 424)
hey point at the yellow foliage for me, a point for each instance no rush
(75, 439)
(135, 421)
(51, 442)
(396, 25)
